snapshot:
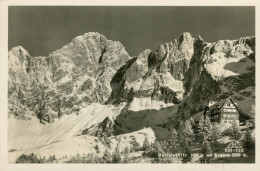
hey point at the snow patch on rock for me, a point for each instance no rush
(146, 103)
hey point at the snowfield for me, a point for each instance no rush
(63, 137)
(27, 134)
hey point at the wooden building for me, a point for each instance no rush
(224, 112)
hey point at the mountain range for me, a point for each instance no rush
(61, 103)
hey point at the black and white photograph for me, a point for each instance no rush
(131, 85)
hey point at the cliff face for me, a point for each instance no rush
(80, 72)
(220, 70)
(158, 74)
(92, 69)
(27, 77)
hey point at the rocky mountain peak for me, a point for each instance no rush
(185, 38)
(19, 52)
(199, 38)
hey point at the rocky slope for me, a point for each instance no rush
(160, 72)
(91, 87)
(220, 70)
